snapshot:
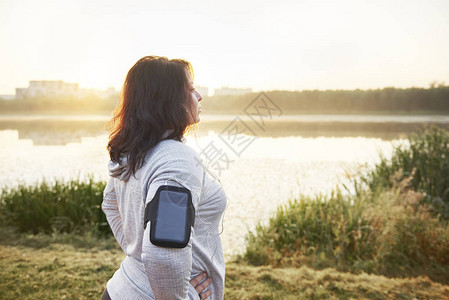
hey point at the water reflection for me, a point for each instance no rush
(64, 130)
(54, 132)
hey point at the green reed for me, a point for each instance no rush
(428, 154)
(327, 227)
(73, 206)
(392, 225)
(391, 235)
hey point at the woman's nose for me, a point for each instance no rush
(198, 96)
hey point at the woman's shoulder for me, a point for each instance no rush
(173, 159)
(172, 150)
(174, 147)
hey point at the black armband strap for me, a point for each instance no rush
(172, 215)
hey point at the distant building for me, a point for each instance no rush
(231, 91)
(48, 88)
(109, 92)
(58, 88)
(7, 97)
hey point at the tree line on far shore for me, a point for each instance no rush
(434, 99)
(386, 100)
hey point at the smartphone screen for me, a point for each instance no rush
(171, 220)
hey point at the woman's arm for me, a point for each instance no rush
(169, 269)
(110, 208)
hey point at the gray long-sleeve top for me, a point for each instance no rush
(149, 271)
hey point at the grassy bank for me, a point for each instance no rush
(67, 271)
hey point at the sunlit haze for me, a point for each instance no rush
(263, 45)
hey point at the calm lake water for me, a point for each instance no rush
(275, 163)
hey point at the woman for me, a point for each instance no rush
(158, 106)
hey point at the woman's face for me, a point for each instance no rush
(195, 107)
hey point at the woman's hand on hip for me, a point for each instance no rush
(200, 287)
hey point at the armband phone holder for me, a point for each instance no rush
(172, 215)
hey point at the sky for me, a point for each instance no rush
(258, 44)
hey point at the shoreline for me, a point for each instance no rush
(297, 118)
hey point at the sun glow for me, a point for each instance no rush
(262, 45)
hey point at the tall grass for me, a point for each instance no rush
(327, 227)
(73, 206)
(388, 227)
(428, 155)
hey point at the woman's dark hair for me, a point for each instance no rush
(154, 98)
